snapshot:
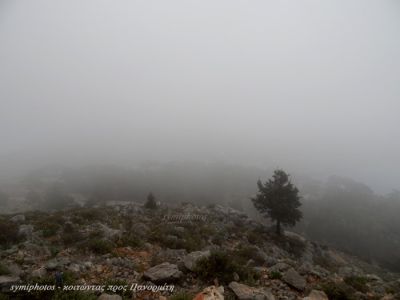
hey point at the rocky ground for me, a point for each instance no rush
(201, 252)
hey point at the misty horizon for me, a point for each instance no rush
(308, 87)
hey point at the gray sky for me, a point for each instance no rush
(310, 86)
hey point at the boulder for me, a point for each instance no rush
(211, 293)
(192, 258)
(105, 296)
(294, 279)
(316, 295)
(164, 272)
(279, 267)
(244, 292)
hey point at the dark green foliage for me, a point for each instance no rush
(246, 252)
(4, 270)
(8, 233)
(275, 275)
(255, 238)
(191, 239)
(130, 240)
(4, 297)
(50, 230)
(338, 291)
(357, 282)
(100, 246)
(150, 202)
(70, 234)
(222, 266)
(279, 200)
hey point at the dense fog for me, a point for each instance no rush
(197, 100)
(308, 86)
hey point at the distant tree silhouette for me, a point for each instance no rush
(151, 202)
(278, 199)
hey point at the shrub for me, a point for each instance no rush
(245, 252)
(8, 233)
(357, 282)
(50, 230)
(338, 291)
(100, 246)
(255, 238)
(70, 234)
(151, 202)
(130, 240)
(222, 266)
(4, 270)
(275, 275)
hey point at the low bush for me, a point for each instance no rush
(8, 233)
(130, 240)
(275, 275)
(338, 291)
(222, 266)
(357, 282)
(4, 270)
(100, 246)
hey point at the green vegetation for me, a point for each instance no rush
(70, 234)
(8, 233)
(100, 246)
(279, 200)
(275, 275)
(246, 252)
(338, 291)
(223, 266)
(191, 240)
(150, 202)
(4, 270)
(130, 240)
(357, 282)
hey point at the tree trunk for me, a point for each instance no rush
(278, 227)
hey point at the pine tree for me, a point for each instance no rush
(279, 200)
(151, 202)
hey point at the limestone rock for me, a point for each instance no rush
(294, 279)
(164, 272)
(244, 292)
(211, 293)
(316, 295)
(192, 258)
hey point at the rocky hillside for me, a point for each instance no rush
(187, 252)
